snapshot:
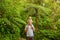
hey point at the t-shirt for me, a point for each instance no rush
(29, 31)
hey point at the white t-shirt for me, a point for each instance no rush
(29, 31)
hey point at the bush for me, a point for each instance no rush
(47, 35)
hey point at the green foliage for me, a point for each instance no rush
(14, 14)
(48, 35)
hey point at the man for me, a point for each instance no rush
(29, 29)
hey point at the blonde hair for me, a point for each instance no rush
(30, 18)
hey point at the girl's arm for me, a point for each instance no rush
(26, 29)
(32, 27)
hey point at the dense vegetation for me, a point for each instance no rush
(45, 15)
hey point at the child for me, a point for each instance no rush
(29, 29)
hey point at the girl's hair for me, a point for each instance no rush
(29, 17)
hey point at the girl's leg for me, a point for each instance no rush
(31, 38)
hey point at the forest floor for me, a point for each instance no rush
(22, 39)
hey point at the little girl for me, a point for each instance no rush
(29, 29)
